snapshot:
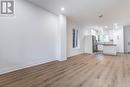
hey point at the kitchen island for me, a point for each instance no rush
(110, 49)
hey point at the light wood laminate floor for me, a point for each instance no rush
(79, 71)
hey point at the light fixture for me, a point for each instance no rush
(62, 9)
(101, 16)
(106, 26)
(116, 25)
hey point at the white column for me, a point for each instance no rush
(62, 41)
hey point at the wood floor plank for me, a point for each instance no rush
(83, 70)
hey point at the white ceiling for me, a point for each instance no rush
(87, 11)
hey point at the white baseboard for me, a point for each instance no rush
(19, 67)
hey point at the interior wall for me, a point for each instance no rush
(29, 38)
(86, 32)
(119, 39)
(62, 38)
(127, 38)
(70, 50)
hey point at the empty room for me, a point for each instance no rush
(64, 43)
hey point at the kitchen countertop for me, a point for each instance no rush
(109, 44)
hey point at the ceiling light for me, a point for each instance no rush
(106, 26)
(116, 24)
(101, 16)
(62, 9)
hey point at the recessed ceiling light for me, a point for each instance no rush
(62, 9)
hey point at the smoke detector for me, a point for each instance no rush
(100, 16)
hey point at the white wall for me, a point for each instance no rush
(127, 38)
(88, 44)
(62, 38)
(70, 50)
(28, 39)
(119, 39)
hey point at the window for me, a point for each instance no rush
(75, 38)
(103, 38)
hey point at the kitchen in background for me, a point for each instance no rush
(109, 40)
